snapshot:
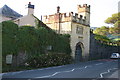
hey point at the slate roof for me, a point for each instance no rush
(8, 12)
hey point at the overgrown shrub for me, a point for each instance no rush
(35, 41)
(9, 42)
(32, 40)
(48, 60)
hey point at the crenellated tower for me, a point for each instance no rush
(75, 24)
(85, 12)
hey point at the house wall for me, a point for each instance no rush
(58, 22)
(26, 20)
(4, 18)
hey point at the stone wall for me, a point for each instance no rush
(99, 50)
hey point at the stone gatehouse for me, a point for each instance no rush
(75, 24)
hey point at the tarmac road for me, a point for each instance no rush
(104, 68)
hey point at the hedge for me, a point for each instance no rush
(34, 41)
(48, 60)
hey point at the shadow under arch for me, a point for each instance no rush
(78, 52)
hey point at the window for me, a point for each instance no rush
(79, 30)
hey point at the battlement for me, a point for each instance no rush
(58, 15)
(65, 17)
(81, 17)
(84, 8)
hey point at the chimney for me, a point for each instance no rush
(58, 9)
(30, 8)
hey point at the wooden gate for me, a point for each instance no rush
(78, 53)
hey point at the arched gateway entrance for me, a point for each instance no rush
(78, 52)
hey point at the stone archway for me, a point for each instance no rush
(78, 52)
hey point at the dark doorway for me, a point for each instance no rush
(78, 53)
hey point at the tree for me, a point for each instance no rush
(102, 38)
(102, 31)
(114, 30)
(114, 19)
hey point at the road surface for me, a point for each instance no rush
(104, 68)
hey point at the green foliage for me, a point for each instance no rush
(32, 40)
(101, 31)
(26, 38)
(59, 43)
(64, 44)
(102, 38)
(48, 60)
(114, 30)
(117, 39)
(109, 31)
(113, 19)
(117, 24)
(9, 32)
(108, 40)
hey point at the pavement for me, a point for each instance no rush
(116, 74)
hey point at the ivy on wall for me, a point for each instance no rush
(9, 32)
(32, 40)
